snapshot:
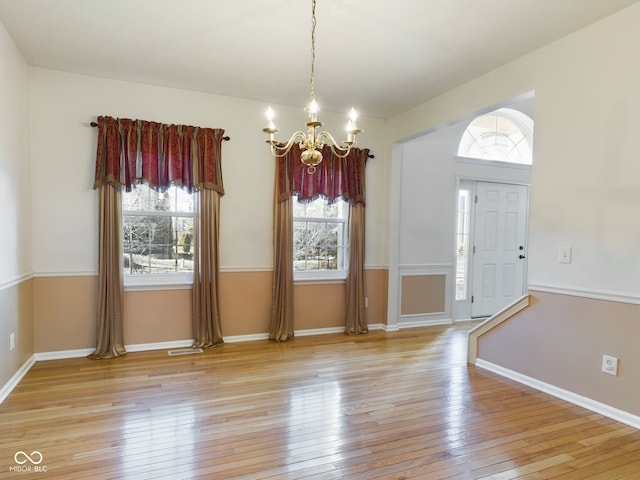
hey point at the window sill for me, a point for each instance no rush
(171, 281)
(306, 278)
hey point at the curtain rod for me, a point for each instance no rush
(227, 138)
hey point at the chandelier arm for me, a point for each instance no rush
(280, 150)
(338, 150)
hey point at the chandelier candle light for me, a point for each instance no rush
(312, 142)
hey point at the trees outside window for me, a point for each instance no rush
(320, 238)
(157, 231)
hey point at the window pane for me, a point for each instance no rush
(136, 199)
(462, 244)
(319, 244)
(158, 239)
(184, 201)
(136, 240)
(161, 201)
(299, 209)
(503, 135)
(333, 211)
(314, 209)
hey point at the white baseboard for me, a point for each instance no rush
(571, 397)
(246, 338)
(62, 354)
(15, 379)
(391, 328)
(144, 347)
(414, 324)
(424, 323)
(318, 331)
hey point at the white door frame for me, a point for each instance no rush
(462, 308)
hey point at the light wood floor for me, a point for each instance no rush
(384, 405)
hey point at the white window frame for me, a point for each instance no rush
(155, 281)
(326, 276)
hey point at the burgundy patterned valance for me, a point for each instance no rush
(160, 155)
(334, 178)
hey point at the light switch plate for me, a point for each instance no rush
(564, 255)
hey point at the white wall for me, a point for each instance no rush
(585, 179)
(15, 189)
(16, 318)
(63, 149)
(427, 203)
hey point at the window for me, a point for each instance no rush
(320, 239)
(462, 243)
(505, 135)
(157, 235)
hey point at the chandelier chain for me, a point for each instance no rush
(313, 50)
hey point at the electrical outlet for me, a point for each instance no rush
(609, 365)
(12, 341)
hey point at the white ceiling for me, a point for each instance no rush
(382, 56)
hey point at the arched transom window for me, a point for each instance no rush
(504, 135)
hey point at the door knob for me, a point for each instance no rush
(521, 257)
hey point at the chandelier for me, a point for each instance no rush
(312, 141)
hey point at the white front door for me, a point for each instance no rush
(499, 250)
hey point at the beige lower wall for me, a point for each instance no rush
(64, 309)
(422, 294)
(16, 316)
(560, 340)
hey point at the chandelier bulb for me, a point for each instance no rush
(312, 110)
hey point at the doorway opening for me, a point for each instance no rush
(492, 214)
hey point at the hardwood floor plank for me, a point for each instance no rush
(395, 405)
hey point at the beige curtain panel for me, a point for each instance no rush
(130, 152)
(281, 328)
(207, 329)
(356, 321)
(109, 335)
